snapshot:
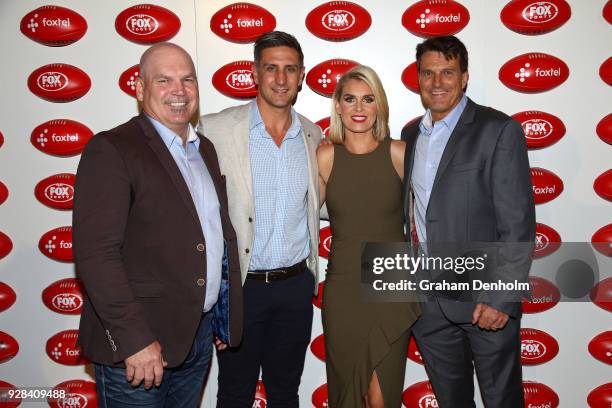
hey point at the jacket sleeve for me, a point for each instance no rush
(101, 210)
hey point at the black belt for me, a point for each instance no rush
(271, 275)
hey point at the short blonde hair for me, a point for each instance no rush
(381, 125)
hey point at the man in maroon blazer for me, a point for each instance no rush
(153, 245)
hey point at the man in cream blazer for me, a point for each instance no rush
(268, 161)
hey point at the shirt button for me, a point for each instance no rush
(250, 219)
(247, 250)
(200, 247)
(201, 282)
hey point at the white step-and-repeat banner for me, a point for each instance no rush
(68, 72)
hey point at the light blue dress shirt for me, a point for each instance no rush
(280, 189)
(430, 146)
(200, 185)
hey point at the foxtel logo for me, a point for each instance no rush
(52, 81)
(57, 22)
(550, 72)
(65, 138)
(537, 128)
(252, 23)
(544, 190)
(338, 20)
(240, 79)
(540, 12)
(141, 24)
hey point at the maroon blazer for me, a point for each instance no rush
(139, 247)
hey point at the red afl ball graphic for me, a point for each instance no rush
(547, 241)
(603, 185)
(7, 296)
(6, 245)
(61, 137)
(605, 71)
(338, 21)
(413, 351)
(325, 237)
(410, 77)
(1, 139)
(4, 193)
(57, 244)
(534, 17)
(607, 12)
(8, 396)
(147, 24)
(544, 295)
(318, 300)
(601, 294)
(537, 347)
(602, 240)
(317, 347)
(64, 296)
(433, 18)
(601, 397)
(600, 347)
(546, 185)
(604, 129)
(323, 77)
(319, 397)
(242, 22)
(260, 395)
(533, 73)
(59, 82)
(541, 129)
(54, 26)
(128, 78)
(56, 191)
(62, 348)
(8, 347)
(419, 395)
(236, 80)
(79, 394)
(324, 125)
(539, 395)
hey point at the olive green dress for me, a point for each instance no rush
(364, 202)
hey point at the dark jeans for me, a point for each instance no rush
(277, 325)
(180, 387)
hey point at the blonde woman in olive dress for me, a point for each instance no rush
(360, 178)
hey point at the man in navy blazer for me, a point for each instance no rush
(468, 180)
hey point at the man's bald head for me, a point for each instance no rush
(156, 50)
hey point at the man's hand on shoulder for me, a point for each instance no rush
(489, 318)
(147, 364)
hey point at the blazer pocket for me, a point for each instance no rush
(147, 289)
(469, 166)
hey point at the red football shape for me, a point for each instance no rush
(61, 137)
(8, 401)
(59, 82)
(6, 245)
(537, 347)
(601, 294)
(338, 21)
(4, 193)
(260, 395)
(604, 129)
(325, 237)
(317, 346)
(54, 26)
(324, 125)
(600, 347)
(236, 80)
(533, 72)
(319, 397)
(419, 395)
(64, 296)
(546, 185)
(601, 397)
(607, 12)
(534, 17)
(603, 185)
(79, 394)
(318, 300)
(1, 139)
(539, 395)
(547, 241)
(242, 22)
(7, 296)
(433, 18)
(57, 244)
(56, 191)
(62, 348)
(544, 295)
(541, 129)
(602, 240)
(147, 24)
(323, 77)
(410, 77)
(127, 80)
(8, 347)
(605, 71)
(413, 351)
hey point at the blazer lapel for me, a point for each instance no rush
(209, 161)
(161, 151)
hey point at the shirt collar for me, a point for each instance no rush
(169, 137)
(450, 121)
(257, 121)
